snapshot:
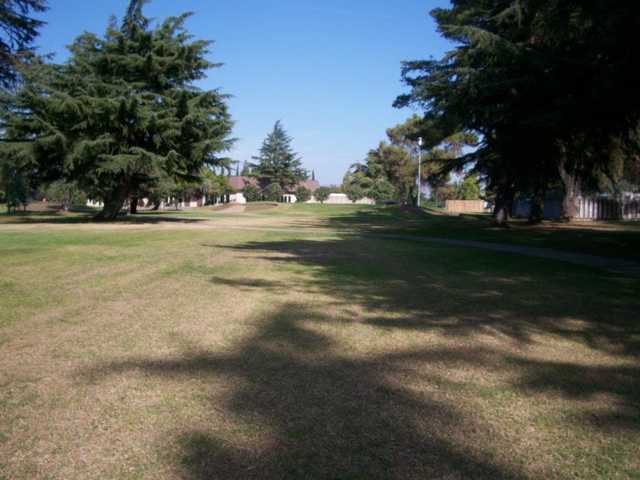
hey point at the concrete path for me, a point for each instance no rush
(616, 265)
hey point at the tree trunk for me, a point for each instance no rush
(156, 205)
(113, 204)
(503, 206)
(536, 215)
(133, 207)
(570, 182)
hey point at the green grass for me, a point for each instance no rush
(280, 343)
(615, 239)
(610, 239)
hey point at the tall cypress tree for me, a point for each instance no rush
(122, 113)
(277, 162)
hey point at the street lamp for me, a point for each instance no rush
(419, 170)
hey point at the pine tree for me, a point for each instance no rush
(122, 114)
(277, 162)
(19, 30)
(549, 85)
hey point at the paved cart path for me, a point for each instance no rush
(617, 265)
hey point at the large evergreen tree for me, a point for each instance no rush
(547, 84)
(18, 30)
(277, 162)
(122, 113)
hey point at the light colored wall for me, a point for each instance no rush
(237, 198)
(466, 206)
(342, 199)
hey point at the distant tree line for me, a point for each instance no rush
(390, 172)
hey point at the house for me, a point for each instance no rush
(343, 199)
(239, 183)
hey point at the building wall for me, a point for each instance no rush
(466, 206)
(342, 199)
(237, 198)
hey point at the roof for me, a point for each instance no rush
(238, 184)
(312, 185)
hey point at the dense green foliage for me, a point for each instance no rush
(252, 193)
(13, 187)
(277, 162)
(322, 194)
(65, 194)
(18, 30)
(213, 186)
(549, 86)
(272, 192)
(469, 188)
(122, 115)
(390, 172)
(303, 194)
(355, 192)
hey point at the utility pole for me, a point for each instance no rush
(419, 171)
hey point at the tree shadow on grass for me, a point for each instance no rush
(622, 242)
(301, 407)
(466, 292)
(303, 410)
(48, 218)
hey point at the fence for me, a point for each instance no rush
(465, 206)
(609, 209)
(589, 208)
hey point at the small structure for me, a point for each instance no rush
(597, 207)
(239, 182)
(343, 199)
(466, 206)
(237, 198)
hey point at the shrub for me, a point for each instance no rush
(273, 192)
(383, 191)
(322, 194)
(354, 193)
(303, 194)
(252, 193)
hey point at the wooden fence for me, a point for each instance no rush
(465, 206)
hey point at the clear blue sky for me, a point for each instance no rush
(329, 70)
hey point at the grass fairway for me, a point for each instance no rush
(285, 343)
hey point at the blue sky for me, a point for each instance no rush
(329, 70)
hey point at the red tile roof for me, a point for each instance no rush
(312, 185)
(239, 183)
